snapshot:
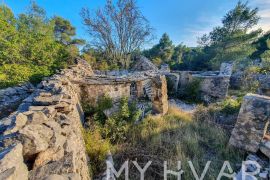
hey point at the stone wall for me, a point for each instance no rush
(91, 92)
(213, 88)
(43, 138)
(160, 97)
(213, 85)
(240, 79)
(143, 64)
(12, 97)
(147, 86)
(252, 123)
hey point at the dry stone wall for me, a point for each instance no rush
(43, 138)
(213, 85)
(11, 98)
(146, 85)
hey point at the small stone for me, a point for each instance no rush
(20, 121)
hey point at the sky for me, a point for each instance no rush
(183, 20)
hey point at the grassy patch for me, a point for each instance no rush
(175, 136)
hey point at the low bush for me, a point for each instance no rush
(97, 149)
(231, 106)
(192, 92)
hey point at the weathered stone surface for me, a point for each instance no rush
(226, 69)
(213, 85)
(20, 122)
(11, 98)
(11, 164)
(37, 117)
(35, 138)
(252, 123)
(116, 91)
(237, 80)
(265, 148)
(172, 83)
(213, 88)
(143, 64)
(48, 124)
(264, 88)
(160, 100)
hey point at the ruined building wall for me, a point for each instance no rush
(252, 124)
(160, 97)
(91, 92)
(43, 138)
(213, 85)
(151, 88)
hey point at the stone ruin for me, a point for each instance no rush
(42, 139)
(213, 85)
(251, 131)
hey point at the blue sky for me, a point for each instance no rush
(183, 20)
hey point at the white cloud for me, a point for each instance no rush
(264, 13)
(206, 23)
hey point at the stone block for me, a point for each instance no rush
(252, 123)
(11, 164)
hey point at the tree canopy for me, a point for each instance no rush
(33, 45)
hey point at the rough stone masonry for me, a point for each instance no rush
(43, 138)
(252, 123)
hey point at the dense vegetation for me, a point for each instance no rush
(33, 46)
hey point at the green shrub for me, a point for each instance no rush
(14, 74)
(231, 106)
(115, 130)
(97, 149)
(192, 91)
(104, 102)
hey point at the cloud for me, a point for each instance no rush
(206, 23)
(264, 13)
